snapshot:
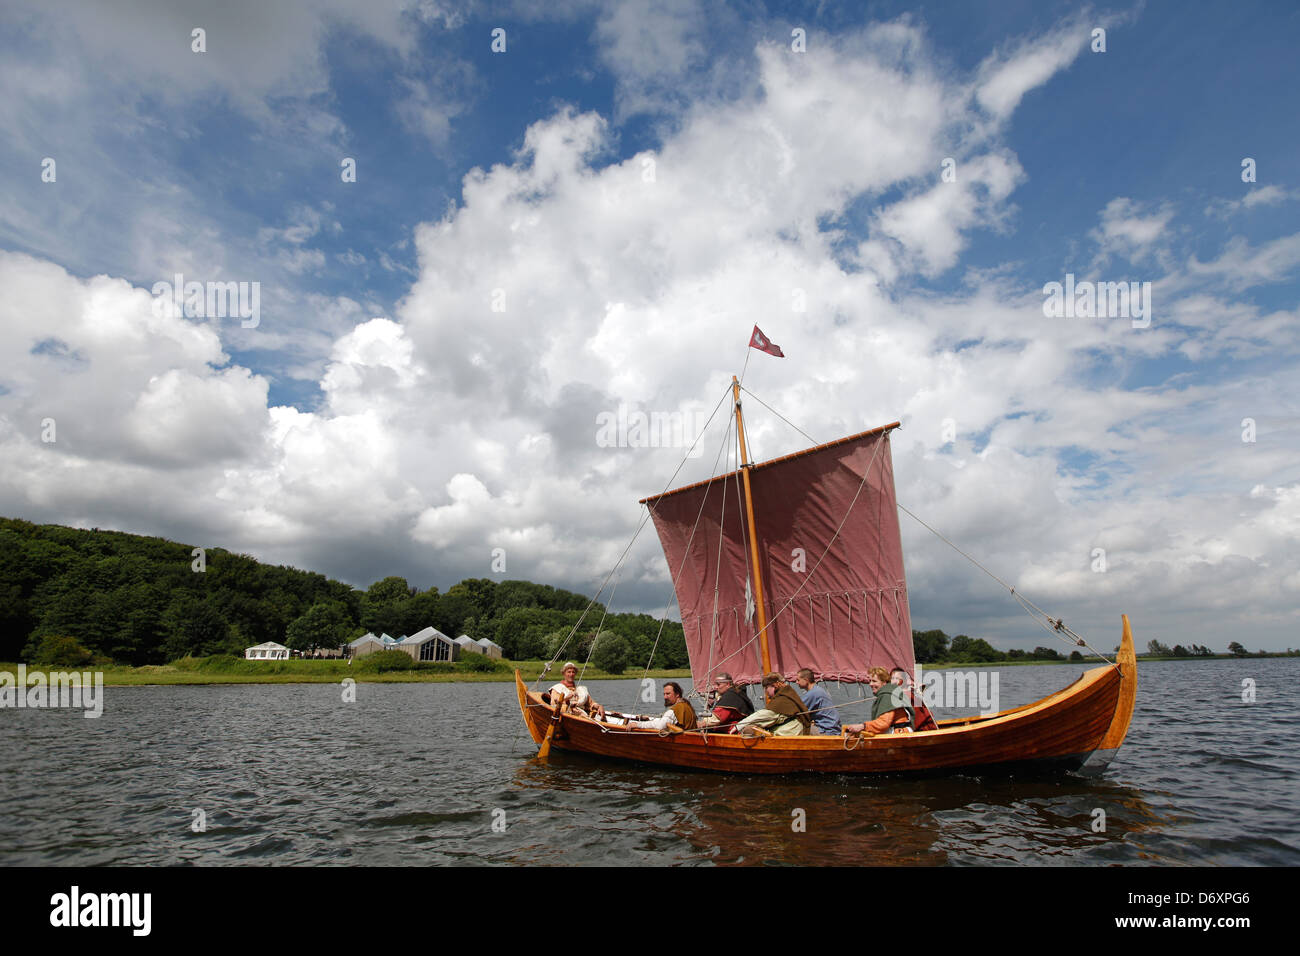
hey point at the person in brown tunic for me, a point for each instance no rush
(782, 699)
(679, 713)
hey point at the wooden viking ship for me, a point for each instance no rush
(809, 573)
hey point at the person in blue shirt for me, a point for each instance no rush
(825, 717)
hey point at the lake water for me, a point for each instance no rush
(416, 774)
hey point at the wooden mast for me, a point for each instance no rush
(753, 536)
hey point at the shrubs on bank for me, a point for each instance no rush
(480, 663)
(59, 651)
(229, 664)
(385, 662)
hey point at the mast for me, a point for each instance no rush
(753, 535)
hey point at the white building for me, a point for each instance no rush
(270, 651)
(429, 644)
(365, 644)
(490, 648)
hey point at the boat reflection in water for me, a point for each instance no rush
(847, 820)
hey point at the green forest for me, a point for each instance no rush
(130, 599)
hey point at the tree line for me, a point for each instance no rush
(131, 599)
(934, 647)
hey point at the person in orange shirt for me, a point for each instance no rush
(890, 711)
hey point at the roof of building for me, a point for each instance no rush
(268, 646)
(425, 635)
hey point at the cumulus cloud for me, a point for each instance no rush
(126, 381)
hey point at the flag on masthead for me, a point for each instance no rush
(761, 342)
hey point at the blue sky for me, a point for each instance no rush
(381, 418)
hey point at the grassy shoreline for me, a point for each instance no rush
(321, 672)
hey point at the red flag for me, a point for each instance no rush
(761, 342)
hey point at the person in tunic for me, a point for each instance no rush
(826, 719)
(732, 705)
(784, 714)
(890, 710)
(679, 713)
(576, 698)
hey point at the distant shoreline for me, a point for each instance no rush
(322, 672)
(334, 671)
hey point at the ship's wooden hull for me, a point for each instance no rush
(1078, 728)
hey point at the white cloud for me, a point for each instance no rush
(1005, 78)
(1242, 265)
(1256, 196)
(141, 383)
(655, 48)
(1131, 229)
(254, 50)
(931, 226)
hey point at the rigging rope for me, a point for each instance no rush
(717, 572)
(672, 596)
(559, 652)
(1057, 627)
(592, 649)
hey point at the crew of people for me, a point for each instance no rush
(785, 712)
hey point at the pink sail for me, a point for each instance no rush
(832, 565)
